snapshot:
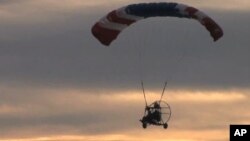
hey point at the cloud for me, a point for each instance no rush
(149, 135)
(38, 112)
(41, 11)
(53, 45)
(58, 82)
(212, 96)
(229, 5)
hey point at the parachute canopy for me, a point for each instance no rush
(108, 28)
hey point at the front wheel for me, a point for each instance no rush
(165, 125)
(144, 125)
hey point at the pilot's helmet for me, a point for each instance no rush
(157, 105)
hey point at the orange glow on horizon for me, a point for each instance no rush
(137, 135)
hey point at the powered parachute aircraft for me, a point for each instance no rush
(108, 28)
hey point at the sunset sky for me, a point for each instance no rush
(58, 83)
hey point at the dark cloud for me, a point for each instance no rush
(67, 54)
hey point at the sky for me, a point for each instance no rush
(59, 83)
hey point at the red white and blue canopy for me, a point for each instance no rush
(108, 28)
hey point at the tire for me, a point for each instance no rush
(165, 125)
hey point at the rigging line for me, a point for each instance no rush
(179, 60)
(163, 90)
(178, 63)
(139, 49)
(140, 62)
(144, 93)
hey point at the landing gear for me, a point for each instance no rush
(165, 125)
(144, 125)
(158, 113)
(159, 119)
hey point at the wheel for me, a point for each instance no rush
(165, 125)
(144, 125)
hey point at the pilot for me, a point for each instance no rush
(154, 113)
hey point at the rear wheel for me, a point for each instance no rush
(165, 125)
